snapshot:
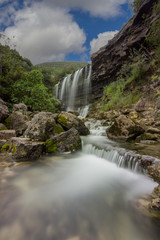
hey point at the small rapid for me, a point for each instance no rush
(79, 196)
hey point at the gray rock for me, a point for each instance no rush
(154, 172)
(68, 120)
(4, 113)
(41, 127)
(19, 122)
(65, 142)
(124, 128)
(23, 149)
(7, 134)
(20, 107)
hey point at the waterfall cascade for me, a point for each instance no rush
(74, 90)
(98, 144)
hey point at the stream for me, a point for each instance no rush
(80, 196)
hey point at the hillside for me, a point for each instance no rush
(61, 69)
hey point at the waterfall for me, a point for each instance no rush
(74, 90)
(98, 144)
(65, 87)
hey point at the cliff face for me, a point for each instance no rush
(107, 62)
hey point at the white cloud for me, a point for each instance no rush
(42, 33)
(100, 8)
(102, 40)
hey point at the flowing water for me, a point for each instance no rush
(75, 86)
(80, 196)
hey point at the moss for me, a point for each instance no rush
(62, 119)
(3, 128)
(58, 129)
(5, 147)
(51, 146)
(7, 122)
(12, 149)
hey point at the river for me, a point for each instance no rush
(78, 196)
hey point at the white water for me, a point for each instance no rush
(98, 144)
(81, 196)
(68, 90)
(74, 89)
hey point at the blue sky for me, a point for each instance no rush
(55, 30)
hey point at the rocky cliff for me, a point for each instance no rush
(107, 62)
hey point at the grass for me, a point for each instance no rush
(124, 91)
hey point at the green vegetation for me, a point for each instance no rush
(58, 129)
(153, 36)
(125, 91)
(19, 82)
(51, 146)
(58, 70)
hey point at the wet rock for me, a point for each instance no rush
(154, 172)
(65, 142)
(41, 127)
(124, 129)
(19, 122)
(4, 113)
(2, 127)
(23, 149)
(20, 108)
(68, 120)
(7, 134)
(146, 161)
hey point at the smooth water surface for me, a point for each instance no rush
(76, 196)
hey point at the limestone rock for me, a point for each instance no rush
(19, 122)
(23, 149)
(7, 134)
(155, 204)
(4, 113)
(124, 129)
(41, 127)
(20, 108)
(68, 120)
(65, 142)
(154, 172)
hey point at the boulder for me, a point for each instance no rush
(65, 142)
(20, 108)
(41, 127)
(19, 122)
(4, 113)
(23, 149)
(7, 134)
(124, 128)
(154, 172)
(68, 120)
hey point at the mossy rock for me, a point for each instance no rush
(7, 122)
(62, 119)
(58, 129)
(51, 146)
(2, 127)
(5, 148)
